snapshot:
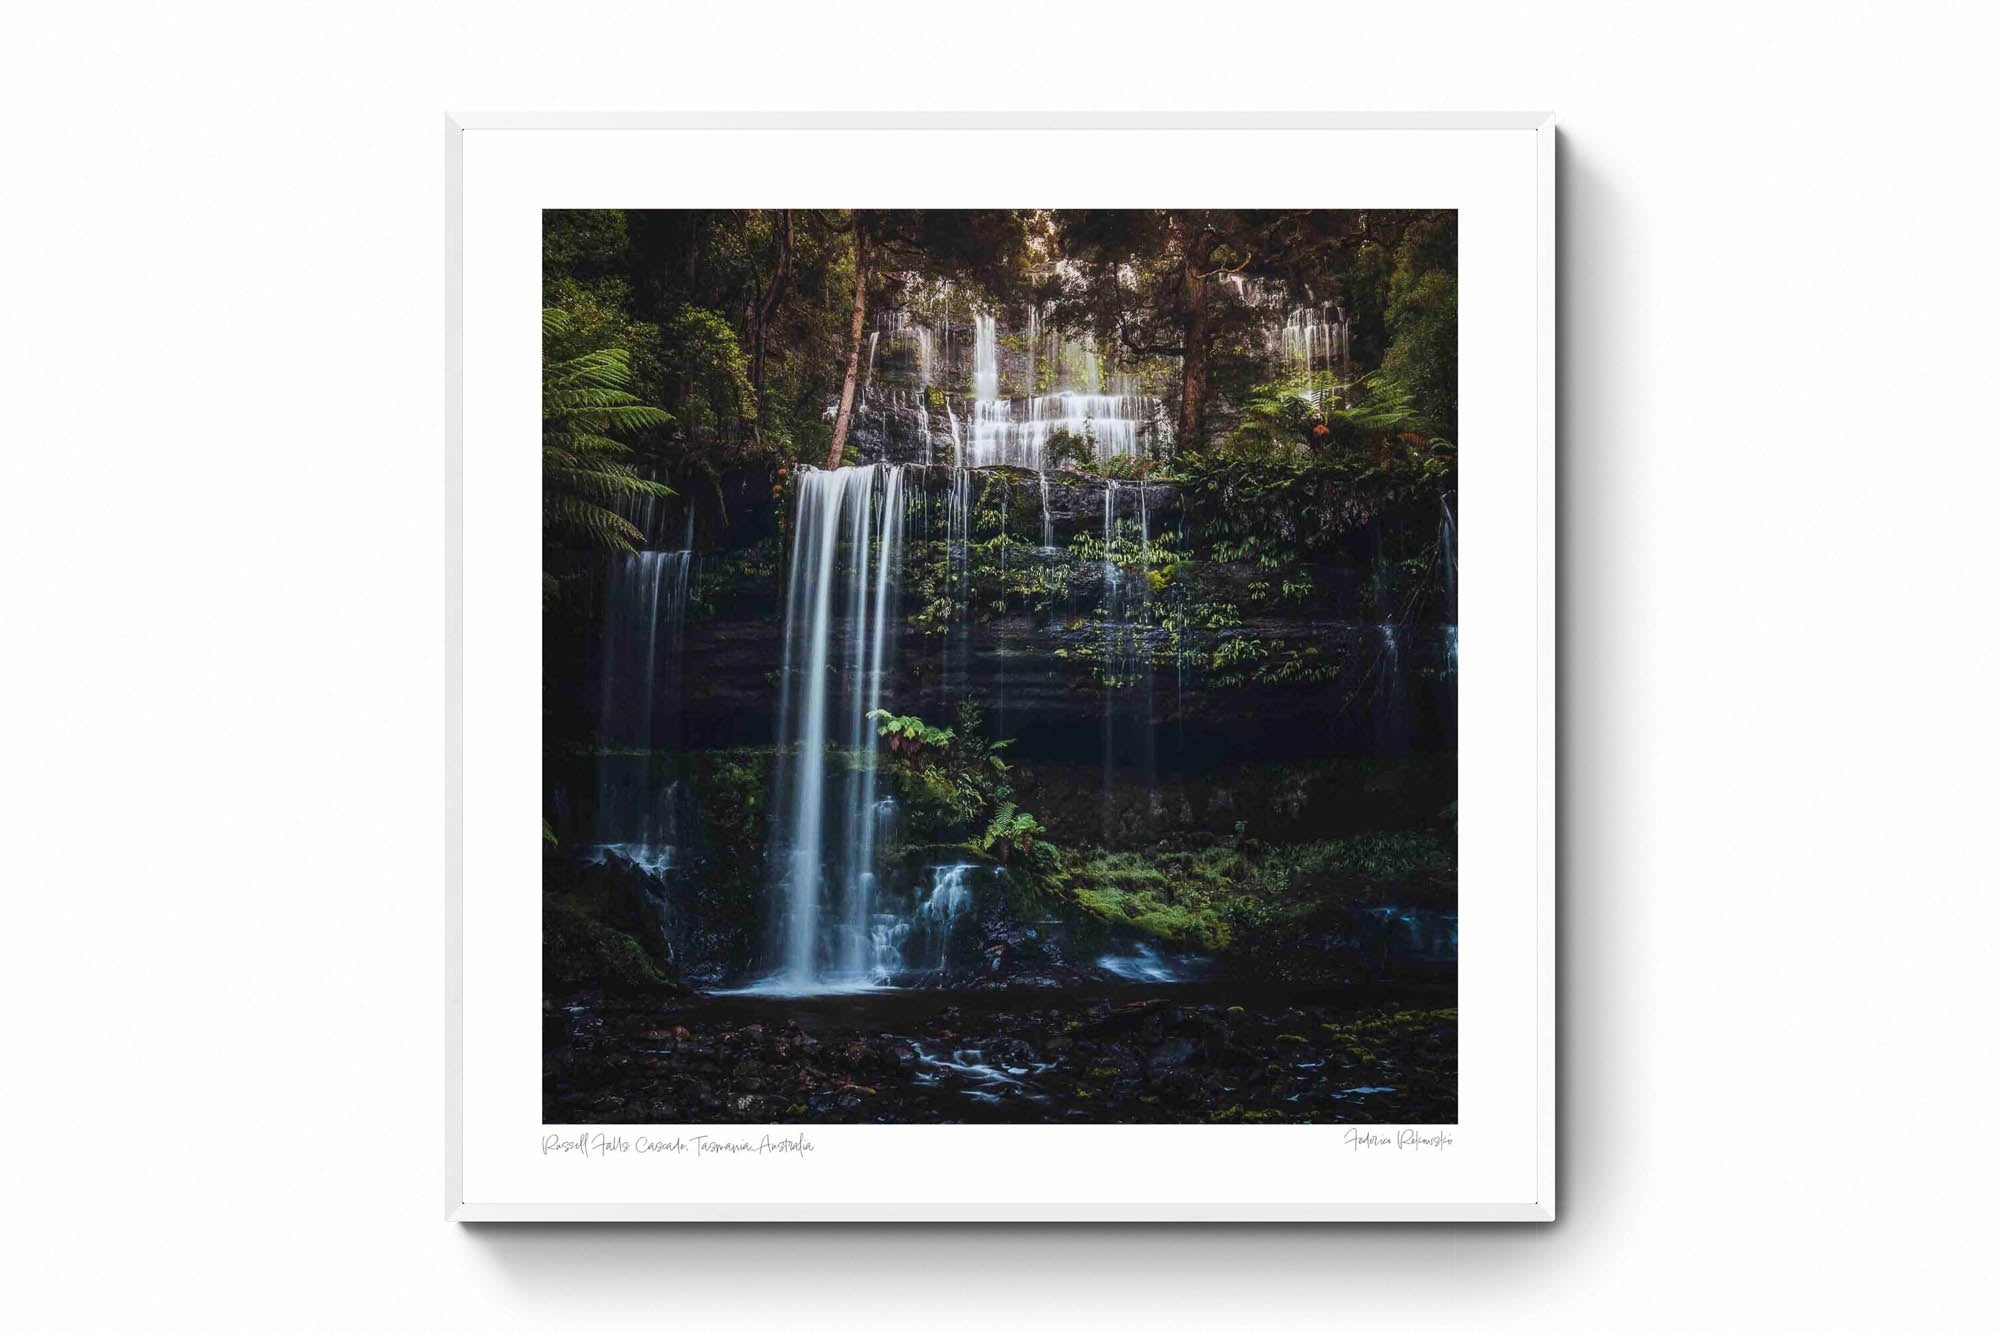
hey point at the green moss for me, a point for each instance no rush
(1238, 1115)
(1206, 898)
(577, 949)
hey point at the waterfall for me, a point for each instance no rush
(985, 359)
(1448, 559)
(1034, 336)
(1389, 686)
(638, 680)
(838, 651)
(1015, 431)
(1313, 344)
(1448, 556)
(949, 898)
(645, 609)
(919, 940)
(1111, 613)
(1110, 531)
(1126, 653)
(958, 554)
(1003, 558)
(1048, 525)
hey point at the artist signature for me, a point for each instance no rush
(1402, 1140)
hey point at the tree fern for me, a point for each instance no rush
(586, 473)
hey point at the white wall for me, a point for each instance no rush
(223, 675)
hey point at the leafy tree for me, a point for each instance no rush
(1066, 448)
(1149, 287)
(1423, 350)
(985, 246)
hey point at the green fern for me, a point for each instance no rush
(586, 473)
(1009, 832)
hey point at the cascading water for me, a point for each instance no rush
(1448, 558)
(645, 615)
(949, 899)
(1389, 687)
(1016, 431)
(985, 358)
(638, 667)
(917, 939)
(1126, 659)
(838, 652)
(1314, 345)
(958, 555)
(1113, 613)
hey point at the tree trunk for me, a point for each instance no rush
(764, 313)
(846, 416)
(1194, 355)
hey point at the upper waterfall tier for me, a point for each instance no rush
(923, 400)
(1016, 431)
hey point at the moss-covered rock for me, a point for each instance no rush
(580, 951)
(1241, 893)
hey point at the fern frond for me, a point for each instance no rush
(634, 416)
(559, 401)
(600, 483)
(584, 444)
(609, 367)
(592, 523)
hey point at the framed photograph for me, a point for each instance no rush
(1004, 668)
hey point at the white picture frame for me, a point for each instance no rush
(1499, 171)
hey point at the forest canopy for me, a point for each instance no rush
(683, 345)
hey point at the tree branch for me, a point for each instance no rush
(1227, 268)
(1147, 349)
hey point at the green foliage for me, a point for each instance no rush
(1010, 833)
(1422, 317)
(953, 783)
(715, 373)
(1292, 419)
(1124, 467)
(578, 949)
(1065, 448)
(580, 246)
(1209, 897)
(735, 321)
(911, 734)
(586, 472)
(1239, 659)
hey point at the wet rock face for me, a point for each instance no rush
(1060, 637)
(1275, 802)
(898, 426)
